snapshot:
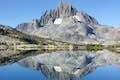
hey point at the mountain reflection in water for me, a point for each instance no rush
(64, 65)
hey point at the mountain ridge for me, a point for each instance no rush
(67, 24)
(63, 10)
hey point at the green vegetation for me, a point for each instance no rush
(114, 48)
(94, 47)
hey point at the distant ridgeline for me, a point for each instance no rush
(63, 10)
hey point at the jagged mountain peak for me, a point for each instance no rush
(65, 10)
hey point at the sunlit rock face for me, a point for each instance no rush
(67, 65)
(107, 33)
(72, 33)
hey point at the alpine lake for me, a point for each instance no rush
(82, 64)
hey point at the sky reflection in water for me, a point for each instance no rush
(16, 71)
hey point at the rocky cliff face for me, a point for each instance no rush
(63, 10)
(66, 23)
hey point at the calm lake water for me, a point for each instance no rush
(16, 71)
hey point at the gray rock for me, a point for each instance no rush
(28, 27)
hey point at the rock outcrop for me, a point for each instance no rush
(63, 10)
(29, 27)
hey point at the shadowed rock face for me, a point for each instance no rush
(71, 65)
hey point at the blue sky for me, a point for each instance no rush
(13, 12)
